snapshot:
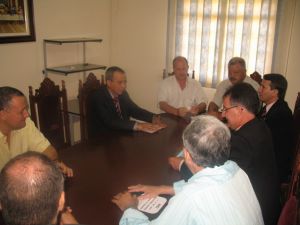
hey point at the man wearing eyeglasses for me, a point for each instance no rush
(251, 147)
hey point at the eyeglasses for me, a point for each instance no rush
(224, 109)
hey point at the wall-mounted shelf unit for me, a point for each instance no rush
(75, 68)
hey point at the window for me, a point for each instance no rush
(210, 32)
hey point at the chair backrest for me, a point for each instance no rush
(290, 211)
(85, 90)
(49, 111)
(165, 74)
(297, 115)
(257, 77)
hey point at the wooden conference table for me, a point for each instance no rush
(112, 162)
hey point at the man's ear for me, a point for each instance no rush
(187, 155)
(108, 83)
(276, 92)
(61, 202)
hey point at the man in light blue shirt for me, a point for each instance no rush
(219, 192)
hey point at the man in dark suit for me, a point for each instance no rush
(279, 119)
(112, 107)
(251, 147)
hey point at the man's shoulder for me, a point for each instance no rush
(224, 84)
(101, 92)
(254, 124)
(168, 80)
(282, 106)
(253, 132)
(193, 82)
(280, 110)
(252, 82)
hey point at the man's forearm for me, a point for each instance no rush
(166, 190)
(51, 152)
(167, 108)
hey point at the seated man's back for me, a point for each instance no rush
(220, 195)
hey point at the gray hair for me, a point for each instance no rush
(179, 58)
(109, 73)
(237, 60)
(208, 141)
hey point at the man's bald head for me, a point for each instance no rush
(30, 188)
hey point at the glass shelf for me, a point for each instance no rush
(72, 40)
(81, 67)
(75, 68)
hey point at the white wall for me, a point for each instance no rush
(293, 65)
(139, 44)
(22, 63)
(286, 58)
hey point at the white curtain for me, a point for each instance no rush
(209, 32)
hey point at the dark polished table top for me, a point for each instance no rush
(108, 165)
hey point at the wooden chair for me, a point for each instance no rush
(165, 74)
(297, 115)
(290, 211)
(257, 77)
(85, 90)
(287, 188)
(49, 111)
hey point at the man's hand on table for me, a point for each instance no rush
(67, 171)
(157, 120)
(150, 191)
(149, 127)
(67, 217)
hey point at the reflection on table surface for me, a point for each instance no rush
(112, 162)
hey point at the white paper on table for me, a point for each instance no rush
(151, 205)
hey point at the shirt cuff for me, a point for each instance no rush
(133, 216)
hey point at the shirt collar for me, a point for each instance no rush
(217, 174)
(269, 106)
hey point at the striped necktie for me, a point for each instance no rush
(263, 112)
(118, 108)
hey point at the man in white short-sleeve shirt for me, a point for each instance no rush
(236, 74)
(180, 95)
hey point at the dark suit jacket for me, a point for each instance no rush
(252, 150)
(280, 121)
(104, 114)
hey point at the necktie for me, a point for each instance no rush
(118, 108)
(263, 112)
